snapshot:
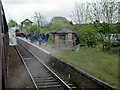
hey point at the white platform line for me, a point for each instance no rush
(35, 45)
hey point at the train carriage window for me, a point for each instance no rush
(3, 22)
(1, 9)
(1, 13)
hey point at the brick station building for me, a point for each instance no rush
(63, 35)
(25, 24)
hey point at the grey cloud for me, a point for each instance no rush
(21, 9)
(23, 1)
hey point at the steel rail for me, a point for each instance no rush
(64, 84)
(27, 68)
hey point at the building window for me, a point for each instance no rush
(27, 23)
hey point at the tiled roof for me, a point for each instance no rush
(27, 20)
(63, 29)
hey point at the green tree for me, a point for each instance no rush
(88, 36)
(79, 14)
(33, 28)
(57, 22)
(40, 19)
(59, 19)
(109, 10)
(105, 30)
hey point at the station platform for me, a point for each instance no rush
(48, 48)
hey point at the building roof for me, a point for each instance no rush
(63, 30)
(27, 20)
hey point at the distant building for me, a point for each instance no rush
(63, 35)
(25, 24)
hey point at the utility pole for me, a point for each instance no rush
(37, 22)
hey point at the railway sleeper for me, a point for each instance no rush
(43, 78)
(51, 86)
(44, 81)
(48, 83)
(72, 86)
(37, 76)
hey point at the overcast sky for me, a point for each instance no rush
(19, 10)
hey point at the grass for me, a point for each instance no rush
(50, 42)
(92, 60)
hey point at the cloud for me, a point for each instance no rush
(22, 9)
(23, 1)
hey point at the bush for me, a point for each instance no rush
(88, 36)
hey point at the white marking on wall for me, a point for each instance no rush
(35, 46)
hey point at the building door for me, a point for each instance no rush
(62, 38)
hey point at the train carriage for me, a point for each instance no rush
(3, 48)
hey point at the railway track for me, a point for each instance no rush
(41, 75)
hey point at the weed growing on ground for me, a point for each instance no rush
(94, 61)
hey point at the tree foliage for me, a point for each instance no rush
(33, 28)
(80, 13)
(103, 11)
(59, 19)
(40, 19)
(88, 35)
(103, 15)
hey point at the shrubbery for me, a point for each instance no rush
(91, 35)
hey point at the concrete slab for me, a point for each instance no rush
(17, 74)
